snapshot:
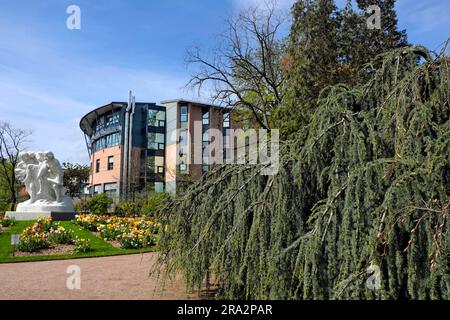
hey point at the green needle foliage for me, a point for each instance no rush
(365, 184)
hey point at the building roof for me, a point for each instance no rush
(201, 103)
(87, 121)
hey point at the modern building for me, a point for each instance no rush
(137, 146)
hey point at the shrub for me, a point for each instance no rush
(99, 204)
(82, 206)
(82, 245)
(128, 209)
(4, 206)
(155, 203)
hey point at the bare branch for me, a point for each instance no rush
(244, 72)
(12, 142)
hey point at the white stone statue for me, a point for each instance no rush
(43, 176)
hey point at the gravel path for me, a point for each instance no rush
(110, 278)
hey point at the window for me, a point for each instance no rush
(159, 186)
(205, 141)
(97, 166)
(226, 120)
(183, 143)
(97, 189)
(109, 141)
(99, 125)
(112, 140)
(184, 114)
(111, 190)
(112, 120)
(205, 117)
(226, 141)
(156, 141)
(99, 144)
(156, 165)
(227, 154)
(205, 137)
(110, 163)
(183, 137)
(205, 147)
(183, 168)
(226, 138)
(156, 118)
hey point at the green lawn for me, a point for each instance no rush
(99, 246)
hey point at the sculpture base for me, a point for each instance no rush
(32, 216)
(47, 206)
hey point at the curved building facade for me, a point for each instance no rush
(117, 138)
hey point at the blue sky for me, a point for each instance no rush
(51, 76)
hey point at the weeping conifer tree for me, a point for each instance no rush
(365, 186)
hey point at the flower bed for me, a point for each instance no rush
(44, 234)
(131, 233)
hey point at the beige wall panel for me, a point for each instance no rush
(106, 176)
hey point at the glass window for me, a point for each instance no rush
(112, 140)
(184, 114)
(183, 167)
(109, 141)
(156, 165)
(226, 141)
(205, 168)
(97, 166)
(110, 193)
(112, 120)
(110, 186)
(99, 125)
(205, 147)
(99, 144)
(156, 141)
(183, 137)
(205, 136)
(156, 118)
(205, 117)
(226, 120)
(159, 186)
(97, 189)
(110, 163)
(111, 190)
(227, 154)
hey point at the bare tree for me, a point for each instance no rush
(244, 71)
(12, 142)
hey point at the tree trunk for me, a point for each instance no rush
(14, 200)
